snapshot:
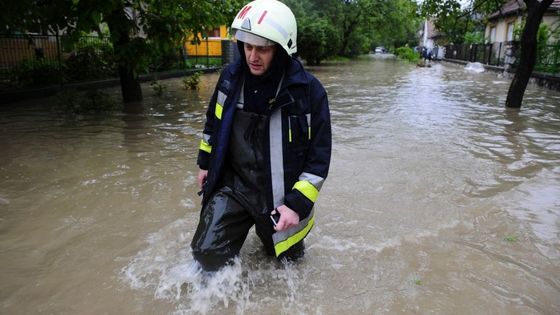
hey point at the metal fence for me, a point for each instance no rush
(29, 61)
(490, 54)
(548, 56)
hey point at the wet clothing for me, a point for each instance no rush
(261, 157)
(239, 203)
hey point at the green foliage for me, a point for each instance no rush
(36, 72)
(158, 88)
(328, 28)
(475, 37)
(160, 25)
(92, 59)
(548, 55)
(456, 18)
(407, 53)
(518, 30)
(511, 238)
(342, 59)
(398, 25)
(162, 60)
(317, 40)
(191, 82)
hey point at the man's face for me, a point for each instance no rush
(259, 58)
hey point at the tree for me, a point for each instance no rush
(399, 25)
(535, 11)
(528, 57)
(318, 40)
(350, 27)
(449, 18)
(364, 21)
(137, 28)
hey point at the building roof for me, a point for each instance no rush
(516, 7)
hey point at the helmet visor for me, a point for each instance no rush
(253, 39)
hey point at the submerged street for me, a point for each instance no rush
(439, 200)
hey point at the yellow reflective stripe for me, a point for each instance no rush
(283, 246)
(309, 132)
(289, 129)
(204, 146)
(307, 189)
(219, 109)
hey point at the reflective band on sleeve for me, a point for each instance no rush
(221, 100)
(204, 146)
(285, 239)
(289, 129)
(307, 189)
(315, 180)
(219, 109)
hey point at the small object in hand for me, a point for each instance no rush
(275, 217)
(201, 192)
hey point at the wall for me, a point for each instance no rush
(207, 47)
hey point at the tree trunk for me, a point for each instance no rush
(130, 85)
(528, 58)
(119, 27)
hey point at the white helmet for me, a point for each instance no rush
(265, 22)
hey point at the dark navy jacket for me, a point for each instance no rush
(298, 142)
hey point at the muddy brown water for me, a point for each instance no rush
(439, 201)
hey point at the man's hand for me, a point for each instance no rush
(201, 178)
(288, 218)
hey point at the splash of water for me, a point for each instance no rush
(252, 282)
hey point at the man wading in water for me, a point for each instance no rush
(266, 144)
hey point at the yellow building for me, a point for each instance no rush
(211, 46)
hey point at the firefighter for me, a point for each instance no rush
(266, 144)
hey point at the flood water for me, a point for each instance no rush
(439, 201)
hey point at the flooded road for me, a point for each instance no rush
(438, 201)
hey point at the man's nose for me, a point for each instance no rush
(253, 54)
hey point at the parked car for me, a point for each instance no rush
(380, 50)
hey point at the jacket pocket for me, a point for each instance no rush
(298, 134)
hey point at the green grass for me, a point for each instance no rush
(337, 59)
(511, 238)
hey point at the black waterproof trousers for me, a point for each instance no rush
(232, 210)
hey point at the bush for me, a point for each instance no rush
(91, 60)
(407, 53)
(36, 72)
(158, 88)
(191, 82)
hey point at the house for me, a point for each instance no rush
(429, 38)
(501, 24)
(210, 46)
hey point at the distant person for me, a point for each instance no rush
(266, 144)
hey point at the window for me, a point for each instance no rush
(214, 32)
(493, 34)
(509, 36)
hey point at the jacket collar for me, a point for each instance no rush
(295, 73)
